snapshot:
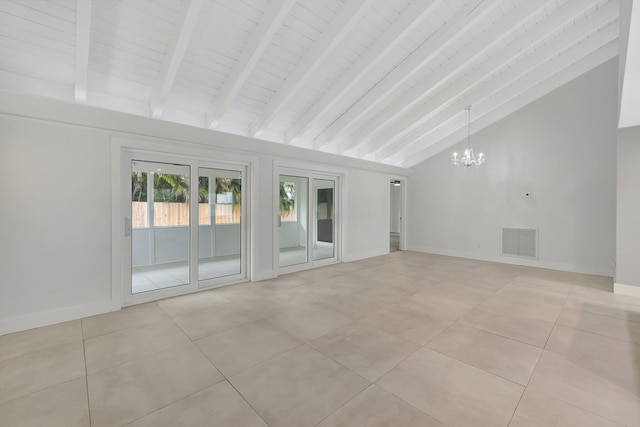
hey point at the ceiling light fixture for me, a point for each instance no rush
(468, 159)
(395, 182)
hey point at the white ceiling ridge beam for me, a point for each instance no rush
(598, 57)
(83, 39)
(410, 18)
(413, 63)
(465, 56)
(183, 30)
(271, 20)
(420, 117)
(337, 29)
(578, 60)
(451, 103)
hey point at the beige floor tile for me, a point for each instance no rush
(129, 391)
(526, 330)
(128, 317)
(240, 291)
(63, 405)
(438, 302)
(374, 407)
(192, 302)
(19, 343)
(41, 369)
(453, 392)
(215, 320)
(352, 305)
(407, 323)
(522, 301)
(602, 325)
(605, 303)
(309, 322)
(560, 378)
(291, 298)
(218, 406)
(105, 351)
(535, 282)
(538, 410)
(412, 285)
(368, 351)
(611, 359)
(237, 349)
(502, 356)
(298, 388)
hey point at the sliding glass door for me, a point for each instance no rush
(324, 211)
(306, 220)
(160, 225)
(184, 225)
(220, 234)
(294, 220)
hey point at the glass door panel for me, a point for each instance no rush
(160, 226)
(294, 220)
(324, 210)
(220, 223)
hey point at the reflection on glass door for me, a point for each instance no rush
(324, 208)
(294, 220)
(220, 223)
(160, 226)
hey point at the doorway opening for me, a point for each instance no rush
(395, 214)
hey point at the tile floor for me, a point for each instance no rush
(405, 339)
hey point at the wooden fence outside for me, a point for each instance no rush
(169, 214)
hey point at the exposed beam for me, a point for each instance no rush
(83, 36)
(271, 20)
(182, 31)
(566, 67)
(463, 58)
(444, 36)
(595, 59)
(337, 29)
(461, 96)
(410, 18)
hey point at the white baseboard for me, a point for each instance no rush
(263, 275)
(585, 269)
(630, 290)
(362, 255)
(36, 320)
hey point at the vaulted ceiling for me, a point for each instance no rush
(383, 80)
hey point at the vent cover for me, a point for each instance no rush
(520, 242)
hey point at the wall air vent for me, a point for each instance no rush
(520, 242)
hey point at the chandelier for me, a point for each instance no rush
(468, 159)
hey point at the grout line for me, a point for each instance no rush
(86, 379)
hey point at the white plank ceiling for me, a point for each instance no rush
(382, 80)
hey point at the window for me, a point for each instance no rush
(159, 199)
(288, 201)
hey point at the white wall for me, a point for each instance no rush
(55, 262)
(366, 215)
(55, 224)
(560, 148)
(628, 218)
(395, 208)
